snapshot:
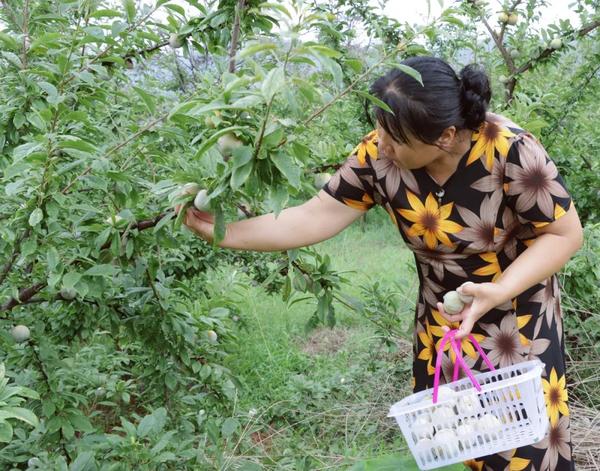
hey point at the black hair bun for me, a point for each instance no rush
(475, 95)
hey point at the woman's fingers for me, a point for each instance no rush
(465, 317)
(203, 215)
(449, 317)
(466, 326)
(200, 222)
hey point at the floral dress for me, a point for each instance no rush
(472, 228)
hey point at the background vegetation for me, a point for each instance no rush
(151, 350)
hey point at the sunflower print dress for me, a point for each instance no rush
(472, 228)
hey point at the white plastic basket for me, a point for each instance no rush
(476, 416)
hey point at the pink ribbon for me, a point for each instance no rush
(456, 345)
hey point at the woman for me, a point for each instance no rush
(476, 199)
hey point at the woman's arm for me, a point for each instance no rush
(316, 220)
(554, 246)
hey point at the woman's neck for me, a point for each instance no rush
(443, 167)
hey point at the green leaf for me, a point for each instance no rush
(54, 424)
(129, 6)
(19, 413)
(287, 167)
(48, 408)
(410, 71)
(146, 425)
(84, 462)
(324, 50)
(9, 42)
(163, 442)
(6, 432)
(52, 258)
(240, 175)
(50, 90)
(71, 279)
(176, 8)
(278, 198)
(25, 150)
(81, 422)
(67, 430)
(101, 270)
(163, 222)
(13, 59)
(247, 102)
(248, 466)
(106, 13)
(147, 98)
(220, 226)
(153, 423)
(273, 83)
(373, 99)
(36, 217)
(255, 48)
(230, 425)
(241, 156)
(26, 392)
(276, 6)
(355, 64)
(181, 216)
(36, 120)
(71, 142)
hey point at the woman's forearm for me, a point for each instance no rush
(546, 256)
(316, 220)
(267, 233)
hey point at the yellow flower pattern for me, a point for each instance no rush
(429, 348)
(555, 394)
(490, 138)
(430, 220)
(492, 268)
(367, 146)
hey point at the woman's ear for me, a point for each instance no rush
(446, 139)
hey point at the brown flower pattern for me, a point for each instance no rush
(480, 227)
(503, 342)
(504, 187)
(533, 180)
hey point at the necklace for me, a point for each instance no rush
(440, 194)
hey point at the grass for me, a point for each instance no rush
(321, 397)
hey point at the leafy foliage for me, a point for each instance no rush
(106, 109)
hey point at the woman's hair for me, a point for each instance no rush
(444, 99)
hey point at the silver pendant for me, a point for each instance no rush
(440, 194)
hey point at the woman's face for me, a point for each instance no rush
(415, 154)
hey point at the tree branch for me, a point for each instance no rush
(235, 34)
(583, 31)
(16, 251)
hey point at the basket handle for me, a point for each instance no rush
(456, 345)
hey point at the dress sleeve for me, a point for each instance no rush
(353, 183)
(534, 189)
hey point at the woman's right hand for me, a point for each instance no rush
(201, 223)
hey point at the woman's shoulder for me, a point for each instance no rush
(504, 122)
(516, 134)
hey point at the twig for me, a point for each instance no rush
(235, 34)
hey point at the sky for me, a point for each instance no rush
(417, 12)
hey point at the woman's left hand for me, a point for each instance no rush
(486, 296)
